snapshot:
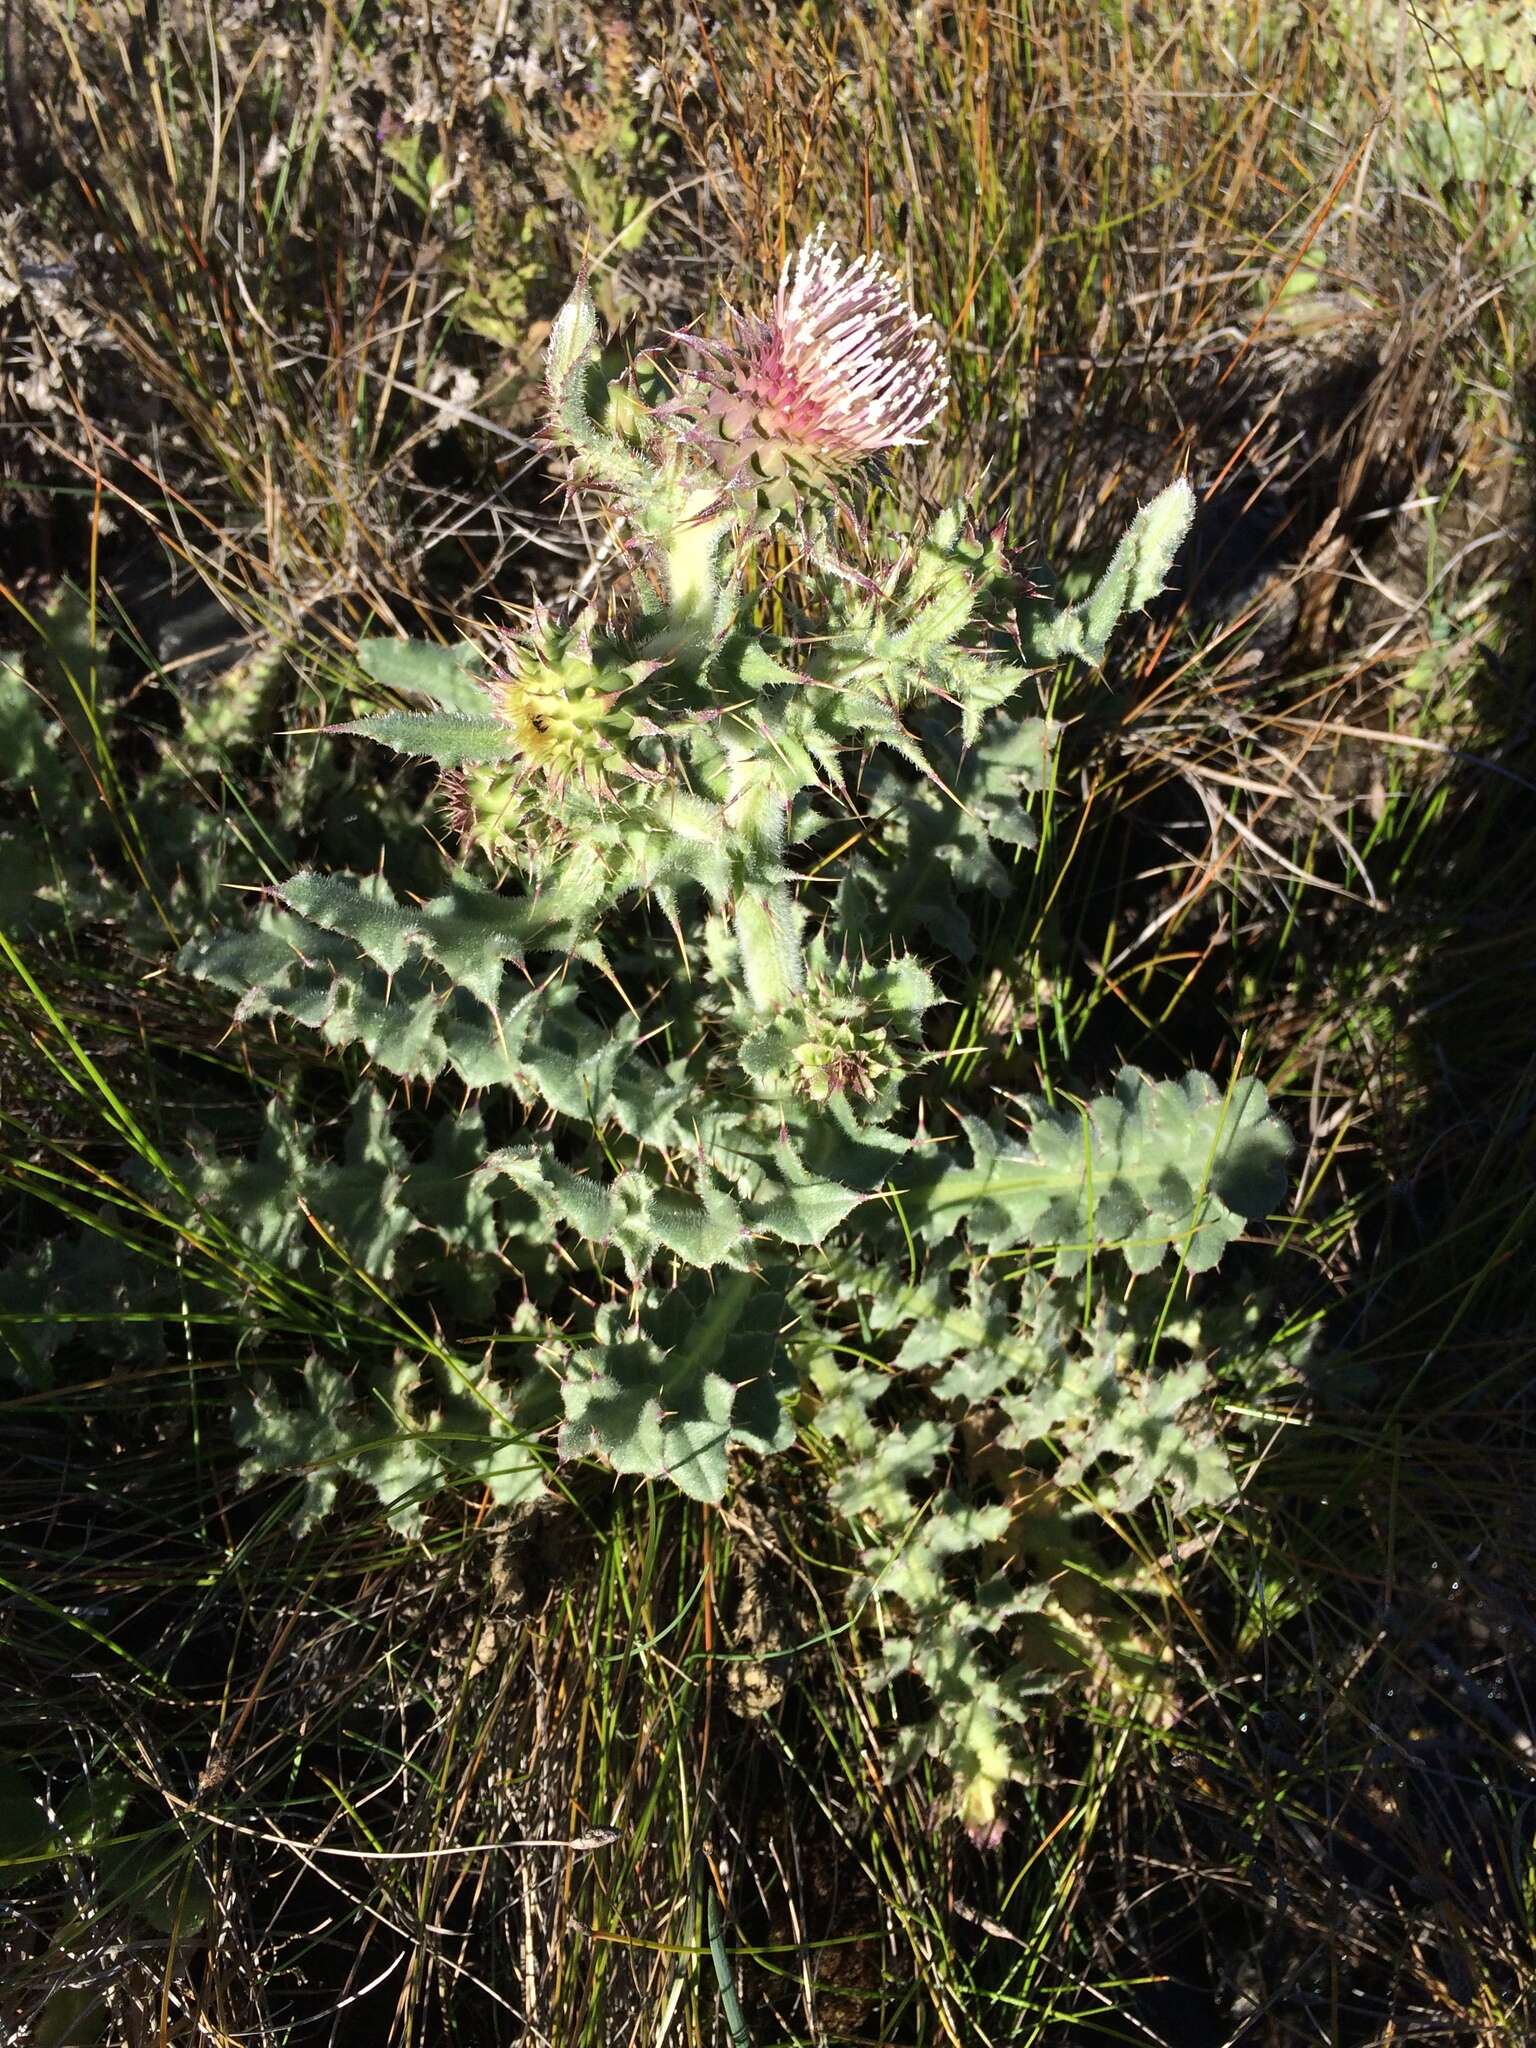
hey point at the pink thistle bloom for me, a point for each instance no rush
(842, 369)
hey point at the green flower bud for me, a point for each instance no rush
(565, 710)
(494, 810)
(845, 1038)
(840, 1059)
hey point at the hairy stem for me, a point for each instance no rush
(691, 557)
(767, 931)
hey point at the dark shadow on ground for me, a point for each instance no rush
(1345, 1850)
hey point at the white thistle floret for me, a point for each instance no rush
(861, 370)
(840, 369)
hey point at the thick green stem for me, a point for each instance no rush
(768, 933)
(768, 920)
(691, 556)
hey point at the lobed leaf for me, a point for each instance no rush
(406, 1437)
(703, 1370)
(1157, 1166)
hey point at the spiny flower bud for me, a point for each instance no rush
(565, 709)
(842, 369)
(840, 1059)
(491, 808)
(846, 1038)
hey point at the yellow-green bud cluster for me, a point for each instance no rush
(492, 808)
(564, 711)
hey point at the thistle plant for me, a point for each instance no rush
(725, 1122)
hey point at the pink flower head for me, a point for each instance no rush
(842, 368)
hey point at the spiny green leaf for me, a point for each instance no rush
(1156, 1165)
(364, 911)
(705, 1368)
(637, 1218)
(797, 1208)
(1126, 1433)
(1134, 577)
(572, 346)
(879, 1485)
(450, 738)
(405, 1438)
(448, 676)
